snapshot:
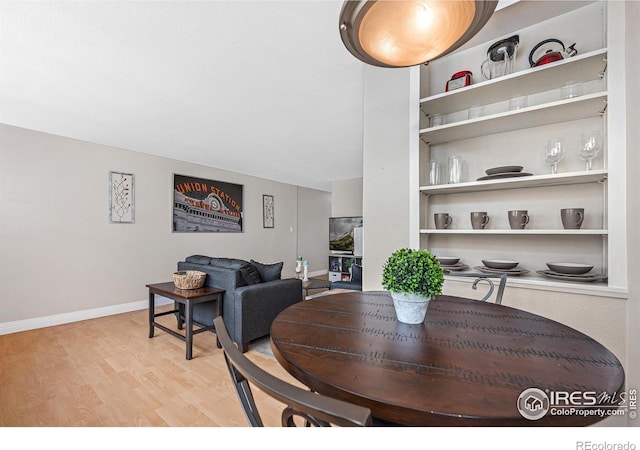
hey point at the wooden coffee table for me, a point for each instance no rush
(185, 298)
(314, 284)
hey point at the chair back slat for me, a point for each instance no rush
(489, 280)
(316, 409)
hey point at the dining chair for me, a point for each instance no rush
(489, 280)
(314, 409)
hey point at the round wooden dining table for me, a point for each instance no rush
(468, 364)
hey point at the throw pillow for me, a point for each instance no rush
(251, 275)
(356, 273)
(268, 272)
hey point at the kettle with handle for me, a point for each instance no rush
(501, 58)
(550, 55)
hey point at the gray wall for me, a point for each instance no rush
(314, 209)
(63, 260)
(346, 198)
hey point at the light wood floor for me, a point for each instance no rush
(107, 372)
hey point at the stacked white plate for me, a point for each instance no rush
(455, 267)
(570, 271)
(504, 172)
(562, 268)
(451, 263)
(500, 266)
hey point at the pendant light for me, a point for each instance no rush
(403, 33)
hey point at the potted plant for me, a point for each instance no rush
(413, 277)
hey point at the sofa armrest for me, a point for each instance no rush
(257, 305)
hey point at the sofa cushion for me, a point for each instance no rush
(249, 274)
(198, 259)
(356, 273)
(268, 272)
(229, 263)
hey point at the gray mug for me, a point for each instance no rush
(572, 218)
(479, 220)
(518, 219)
(442, 220)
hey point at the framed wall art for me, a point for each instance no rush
(121, 197)
(267, 211)
(201, 205)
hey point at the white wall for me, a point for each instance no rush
(60, 254)
(390, 167)
(633, 187)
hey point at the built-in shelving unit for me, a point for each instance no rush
(503, 137)
(340, 266)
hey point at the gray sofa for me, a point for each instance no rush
(254, 295)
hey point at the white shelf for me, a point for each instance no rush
(533, 231)
(538, 282)
(582, 107)
(341, 260)
(561, 179)
(580, 68)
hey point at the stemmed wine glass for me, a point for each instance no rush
(553, 153)
(589, 146)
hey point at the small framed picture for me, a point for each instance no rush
(267, 211)
(121, 197)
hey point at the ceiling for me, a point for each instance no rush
(263, 88)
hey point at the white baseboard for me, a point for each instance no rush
(76, 316)
(317, 273)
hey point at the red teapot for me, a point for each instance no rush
(550, 55)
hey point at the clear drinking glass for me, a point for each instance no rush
(434, 173)
(589, 146)
(554, 152)
(516, 103)
(455, 166)
(571, 90)
(476, 111)
(438, 120)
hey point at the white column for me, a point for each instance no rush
(390, 167)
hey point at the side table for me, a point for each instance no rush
(186, 298)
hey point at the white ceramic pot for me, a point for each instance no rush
(410, 308)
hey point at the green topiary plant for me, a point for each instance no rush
(413, 272)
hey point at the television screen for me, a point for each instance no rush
(341, 233)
